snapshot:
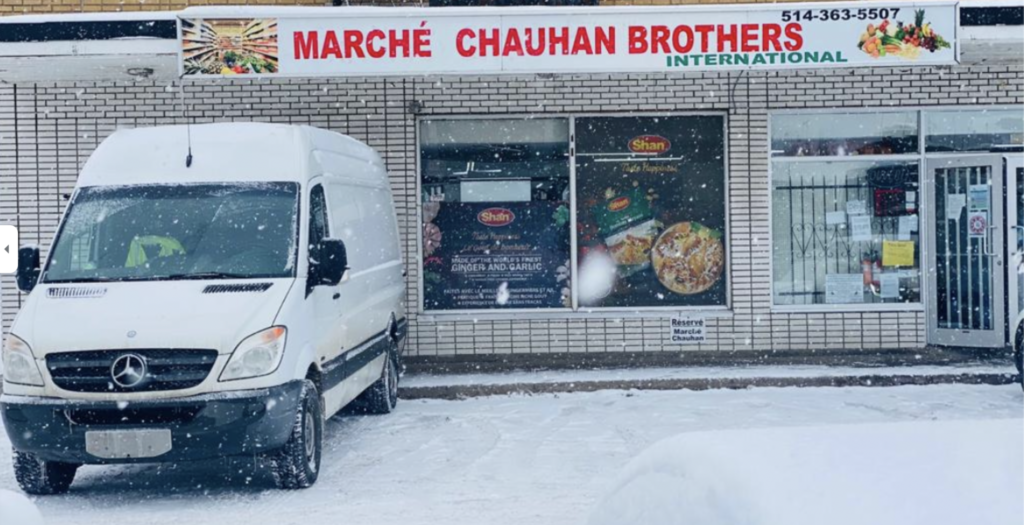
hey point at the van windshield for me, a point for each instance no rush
(168, 232)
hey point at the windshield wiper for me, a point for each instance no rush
(204, 275)
(94, 280)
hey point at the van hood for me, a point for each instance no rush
(199, 314)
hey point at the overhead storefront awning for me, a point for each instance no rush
(366, 41)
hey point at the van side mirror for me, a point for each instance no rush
(333, 262)
(28, 268)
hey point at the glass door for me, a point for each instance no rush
(1015, 233)
(966, 284)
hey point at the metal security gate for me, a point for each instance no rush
(965, 268)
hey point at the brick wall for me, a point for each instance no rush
(47, 131)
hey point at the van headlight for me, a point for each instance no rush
(257, 355)
(19, 363)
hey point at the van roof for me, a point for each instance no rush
(228, 152)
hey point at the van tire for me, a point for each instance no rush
(382, 396)
(41, 478)
(1018, 352)
(297, 464)
(1018, 348)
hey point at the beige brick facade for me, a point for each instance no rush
(47, 131)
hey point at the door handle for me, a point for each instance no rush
(989, 241)
(336, 296)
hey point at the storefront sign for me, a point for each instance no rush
(489, 256)
(341, 42)
(685, 329)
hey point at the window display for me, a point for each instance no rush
(844, 134)
(495, 197)
(845, 232)
(650, 211)
(976, 130)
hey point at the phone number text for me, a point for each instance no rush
(825, 15)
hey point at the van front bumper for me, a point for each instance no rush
(201, 427)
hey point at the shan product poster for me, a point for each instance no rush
(651, 204)
(495, 255)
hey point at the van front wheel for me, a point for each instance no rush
(297, 464)
(38, 477)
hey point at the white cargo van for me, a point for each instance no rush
(220, 305)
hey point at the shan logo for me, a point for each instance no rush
(618, 204)
(649, 144)
(495, 217)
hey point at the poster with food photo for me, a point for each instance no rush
(229, 46)
(651, 201)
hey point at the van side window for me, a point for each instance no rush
(318, 226)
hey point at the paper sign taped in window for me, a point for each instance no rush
(955, 205)
(860, 228)
(890, 285)
(897, 253)
(835, 218)
(856, 207)
(844, 288)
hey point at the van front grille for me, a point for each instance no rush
(163, 369)
(76, 292)
(170, 415)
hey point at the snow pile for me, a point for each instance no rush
(16, 508)
(896, 473)
(674, 483)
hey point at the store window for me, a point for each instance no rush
(496, 220)
(651, 211)
(845, 232)
(845, 134)
(975, 130)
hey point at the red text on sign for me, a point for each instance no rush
(355, 43)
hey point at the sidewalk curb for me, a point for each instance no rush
(455, 392)
(892, 357)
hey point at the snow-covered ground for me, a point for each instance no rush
(550, 459)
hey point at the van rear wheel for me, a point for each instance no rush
(297, 464)
(382, 396)
(38, 477)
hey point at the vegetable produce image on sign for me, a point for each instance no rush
(651, 199)
(904, 40)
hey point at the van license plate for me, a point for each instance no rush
(124, 444)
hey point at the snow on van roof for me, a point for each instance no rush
(226, 152)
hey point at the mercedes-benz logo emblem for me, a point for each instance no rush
(128, 370)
